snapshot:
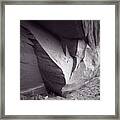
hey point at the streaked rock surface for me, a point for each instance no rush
(30, 76)
(55, 63)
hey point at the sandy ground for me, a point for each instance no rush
(89, 91)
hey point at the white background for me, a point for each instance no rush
(13, 104)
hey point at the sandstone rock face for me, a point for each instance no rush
(55, 67)
(68, 29)
(52, 74)
(78, 73)
(86, 70)
(90, 53)
(92, 32)
(92, 62)
(53, 48)
(30, 76)
(63, 66)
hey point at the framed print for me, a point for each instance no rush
(60, 60)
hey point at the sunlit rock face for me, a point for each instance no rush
(88, 50)
(86, 70)
(80, 67)
(58, 68)
(67, 57)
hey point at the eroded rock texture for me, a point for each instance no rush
(89, 52)
(29, 65)
(63, 57)
(30, 76)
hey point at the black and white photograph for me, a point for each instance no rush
(60, 59)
